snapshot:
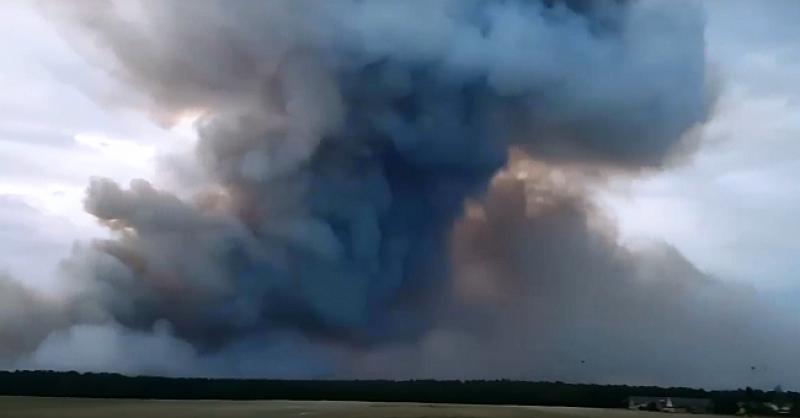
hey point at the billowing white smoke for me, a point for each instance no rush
(341, 142)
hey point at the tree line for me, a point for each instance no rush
(110, 385)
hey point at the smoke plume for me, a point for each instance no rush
(352, 209)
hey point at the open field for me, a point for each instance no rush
(24, 407)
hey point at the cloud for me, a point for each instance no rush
(354, 210)
(25, 320)
(543, 291)
(114, 349)
(738, 188)
(338, 158)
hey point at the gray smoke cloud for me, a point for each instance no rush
(344, 137)
(26, 318)
(351, 209)
(542, 289)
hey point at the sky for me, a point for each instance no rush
(728, 206)
(59, 127)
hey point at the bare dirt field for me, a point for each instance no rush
(24, 407)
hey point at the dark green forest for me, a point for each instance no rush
(108, 385)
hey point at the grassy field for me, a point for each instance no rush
(22, 407)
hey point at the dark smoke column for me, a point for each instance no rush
(340, 140)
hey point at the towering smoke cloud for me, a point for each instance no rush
(353, 210)
(343, 138)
